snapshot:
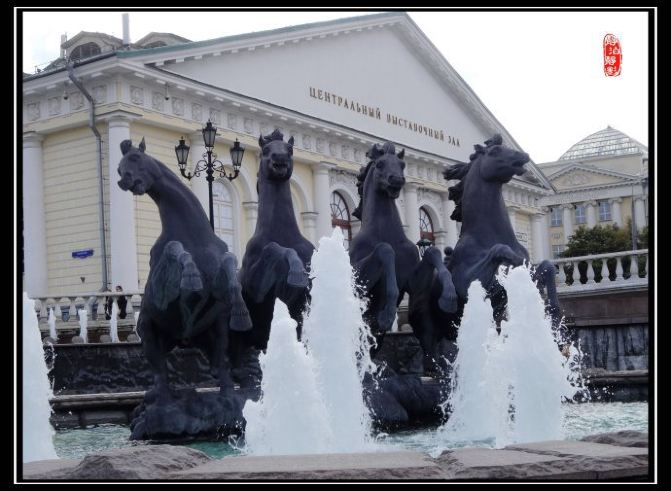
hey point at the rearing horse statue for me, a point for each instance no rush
(277, 257)
(387, 263)
(487, 238)
(192, 295)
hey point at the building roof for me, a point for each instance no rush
(81, 34)
(144, 39)
(607, 142)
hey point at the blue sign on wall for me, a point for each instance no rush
(82, 254)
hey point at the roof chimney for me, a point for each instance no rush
(126, 31)
(64, 38)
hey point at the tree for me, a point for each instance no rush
(599, 240)
(643, 238)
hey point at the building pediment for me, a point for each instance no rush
(582, 176)
(378, 74)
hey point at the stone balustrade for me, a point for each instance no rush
(66, 310)
(615, 270)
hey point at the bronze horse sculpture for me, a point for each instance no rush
(386, 262)
(277, 257)
(192, 295)
(487, 238)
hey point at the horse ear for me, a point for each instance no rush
(125, 146)
(290, 141)
(260, 140)
(401, 154)
(142, 146)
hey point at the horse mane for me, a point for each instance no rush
(373, 154)
(460, 171)
(275, 135)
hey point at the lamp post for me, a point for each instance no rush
(423, 245)
(209, 162)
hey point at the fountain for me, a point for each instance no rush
(37, 430)
(520, 372)
(51, 320)
(83, 321)
(324, 377)
(114, 319)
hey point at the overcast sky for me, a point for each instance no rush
(539, 73)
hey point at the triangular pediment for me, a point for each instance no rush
(583, 176)
(377, 74)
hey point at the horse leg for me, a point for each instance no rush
(155, 350)
(275, 264)
(422, 278)
(485, 269)
(545, 277)
(380, 265)
(220, 356)
(239, 317)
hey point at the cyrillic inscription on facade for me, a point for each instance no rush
(375, 113)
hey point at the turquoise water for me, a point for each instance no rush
(579, 420)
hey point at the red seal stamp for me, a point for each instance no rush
(612, 55)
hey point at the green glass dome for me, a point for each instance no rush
(602, 143)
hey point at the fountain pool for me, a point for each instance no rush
(579, 420)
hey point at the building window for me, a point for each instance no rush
(223, 215)
(340, 217)
(557, 250)
(604, 211)
(580, 216)
(555, 217)
(426, 226)
(84, 51)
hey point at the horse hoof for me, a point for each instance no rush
(240, 322)
(385, 321)
(448, 305)
(298, 279)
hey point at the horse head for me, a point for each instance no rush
(138, 171)
(387, 167)
(497, 163)
(276, 156)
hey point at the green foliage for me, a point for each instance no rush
(643, 238)
(597, 240)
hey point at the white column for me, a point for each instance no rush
(34, 226)
(199, 184)
(310, 225)
(545, 225)
(411, 211)
(616, 205)
(450, 225)
(512, 213)
(251, 209)
(591, 213)
(537, 240)
(639, 212)
(123, 248)
(322, 199)
(567, 221)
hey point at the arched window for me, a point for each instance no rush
(340, 217)
(223, 215)
(84, 51)
(426, 226)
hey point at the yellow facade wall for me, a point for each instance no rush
(71, 202)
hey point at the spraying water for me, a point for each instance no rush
(51, 320)
(83, 321)
(312, 394)
(37, 431)
(338, 339)
(114, 333)
(290, 417)
(508, 388)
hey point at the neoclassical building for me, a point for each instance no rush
(600, 180)
(337, 87)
